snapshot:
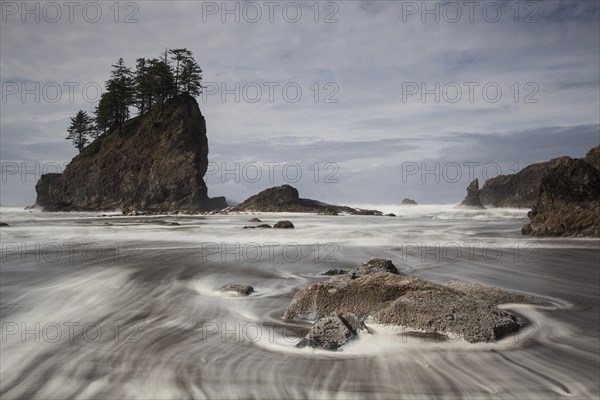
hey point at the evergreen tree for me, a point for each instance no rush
(148, 89)
(80, 129)
(106, 118)
(143, 96)
(121, 90)
(191, 77)
(95, 132)
(162, 81)
(180, 56)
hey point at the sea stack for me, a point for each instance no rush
(472, 199)
(153, 163)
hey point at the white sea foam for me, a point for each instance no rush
(191, 340)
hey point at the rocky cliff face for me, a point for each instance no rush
(569, 201)
(154, 164)
(593, 157)
(519, 190)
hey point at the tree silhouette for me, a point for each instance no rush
(180, 56)
(120, 91)
(191, 77)
(80, 130)
(154, 81)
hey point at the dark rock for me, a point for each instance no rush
(335, 271)
(285, 198)
(375, 265)
(47, 184)
(216, 203)
(173, 223)
(593, 157)
(568, 203)
(518, 190)
(330, 211)
(333, 332)
(254, 220)
(240, 289)
(390, 215)
(4, 224)
(466, 311)
(264, 226)
(359, 211)
(153, 163)
(472, 199)
(284, 225)
(409, 202)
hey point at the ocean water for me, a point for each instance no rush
(98, 305)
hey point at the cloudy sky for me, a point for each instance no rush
(353, 102)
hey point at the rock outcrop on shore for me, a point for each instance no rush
(283, 198)
(286, 198)
(461, 309)
(569, 200)
(563, 193)
(518, 190)
(472, 199)
(153, 164)
(593, 157)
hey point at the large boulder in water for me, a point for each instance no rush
(408, 302)
(285, 198)
(283, 225)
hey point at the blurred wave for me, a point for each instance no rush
(148, 321)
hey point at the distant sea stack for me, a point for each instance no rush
(472, 200)
(408, 202)
(286, 198)
(280, 199)
(154, 164)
